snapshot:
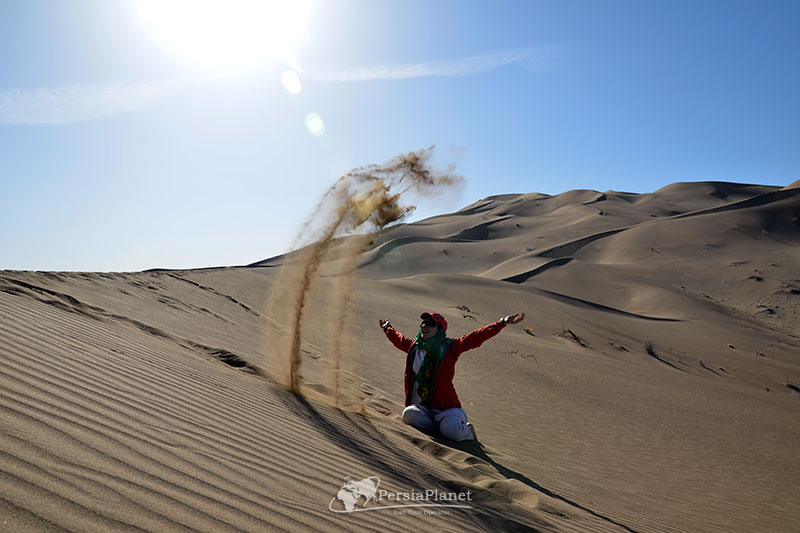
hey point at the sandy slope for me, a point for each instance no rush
(652, 390)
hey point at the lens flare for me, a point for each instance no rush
(291, 82)
(315, 124)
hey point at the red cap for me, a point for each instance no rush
(436, 317)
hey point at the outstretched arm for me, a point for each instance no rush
(400, 341)
(479, 336)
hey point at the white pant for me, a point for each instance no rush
(453, 423)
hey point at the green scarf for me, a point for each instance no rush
(430, 365)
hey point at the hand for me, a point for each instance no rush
(514, 319)
(384, 323)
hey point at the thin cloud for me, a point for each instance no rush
(80, 103)
(539, 59)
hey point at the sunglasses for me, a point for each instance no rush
(429, 323)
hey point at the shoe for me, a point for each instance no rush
(474, 433)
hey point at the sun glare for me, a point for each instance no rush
(219, 38)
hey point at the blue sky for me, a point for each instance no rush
(118, 154)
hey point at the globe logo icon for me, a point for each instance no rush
(352, 491)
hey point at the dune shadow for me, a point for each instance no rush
(579, 302)
(525, 276)
(477, 450)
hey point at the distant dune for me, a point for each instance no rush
(653, 385)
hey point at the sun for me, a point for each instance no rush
(221, 38)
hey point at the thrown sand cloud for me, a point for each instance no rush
(364, 200)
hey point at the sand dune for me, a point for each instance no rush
(652, 387)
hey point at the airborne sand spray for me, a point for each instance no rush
(340, 344)
(365, 199)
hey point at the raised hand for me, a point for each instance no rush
(514, 319)
(384, 323)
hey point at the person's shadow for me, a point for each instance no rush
(476, 449)
(356, 434)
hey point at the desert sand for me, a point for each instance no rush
(653, 385)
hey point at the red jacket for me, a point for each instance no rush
(444, 393)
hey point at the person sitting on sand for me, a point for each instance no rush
(431, 398)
